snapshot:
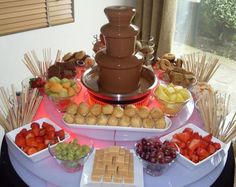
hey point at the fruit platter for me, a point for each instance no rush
(118, 127)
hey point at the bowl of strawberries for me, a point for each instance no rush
(196, 146)
(32, 139)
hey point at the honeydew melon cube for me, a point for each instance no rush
(63, 93)
(55, 79)
(64, 80)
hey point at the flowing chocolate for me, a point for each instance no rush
(119, 68)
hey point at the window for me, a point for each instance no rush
(206, 25)
(23, 15)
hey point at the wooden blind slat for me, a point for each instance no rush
(60, 12)
(25, 28)
(21, 24)
(28, 12)
(57, 3)
(22, 15)
(22, 18)
(20, 3)
(22, 8)
(57, 22)
(64, 16)
(56, 8)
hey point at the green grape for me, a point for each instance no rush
(71, 151)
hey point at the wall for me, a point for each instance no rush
(89, 17)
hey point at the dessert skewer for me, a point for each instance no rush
(17, 110)
(202, 67)
(214, 109)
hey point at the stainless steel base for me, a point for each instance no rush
(147, 82)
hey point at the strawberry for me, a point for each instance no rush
(217, 145)
(183, 137)
(202, 152)
(29, 135)
(207, 138)
(34, 125)
(20, 140)
(50, 128)
(42, 132)
(45, 124)
(184, 152)
(61, 134)
(194, 144)
(211, 149)
(194, 158)
(36, 131)
(31, 142)
(25, 149)
(50, 134)
(189, 130)
(40, 146)
(46, 142)
(196, 136)
(39, 139)
(31, 150)
(203, 144)
(54, 141)
(23, 132)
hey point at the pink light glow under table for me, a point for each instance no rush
(48, 173)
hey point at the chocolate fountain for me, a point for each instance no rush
(119, 76)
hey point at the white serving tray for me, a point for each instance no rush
(215, 157)
(119, 128)
(10, 138)
(87, 170)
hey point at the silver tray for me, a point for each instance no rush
(147, 82)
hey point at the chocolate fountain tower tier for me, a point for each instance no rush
(119, 68)
(119, 34)
(117, 75)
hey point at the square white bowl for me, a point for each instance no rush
(214, 158)
(40, 154)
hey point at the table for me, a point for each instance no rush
(35, 174)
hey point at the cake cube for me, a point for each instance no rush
(111, 170)
(129, 179)
(107, 177)
(120, 159)
(122, 151)
(117, 178)
(114, 149)
(96, 177)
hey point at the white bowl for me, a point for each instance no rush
(214, 158)
(10, 137)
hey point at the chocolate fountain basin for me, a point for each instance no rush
(147, 82)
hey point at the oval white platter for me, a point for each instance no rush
(119, 128)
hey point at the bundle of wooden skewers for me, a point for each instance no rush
(18, 109)
(39, 68)
(200, 65)
(214, 110)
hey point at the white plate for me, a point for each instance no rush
(10, 137)
(134, 129)
(87, 170)
(215, 157)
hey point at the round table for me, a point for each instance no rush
(48, 173)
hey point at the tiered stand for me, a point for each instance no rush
(47, 173)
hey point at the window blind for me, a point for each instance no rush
(23, 15)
